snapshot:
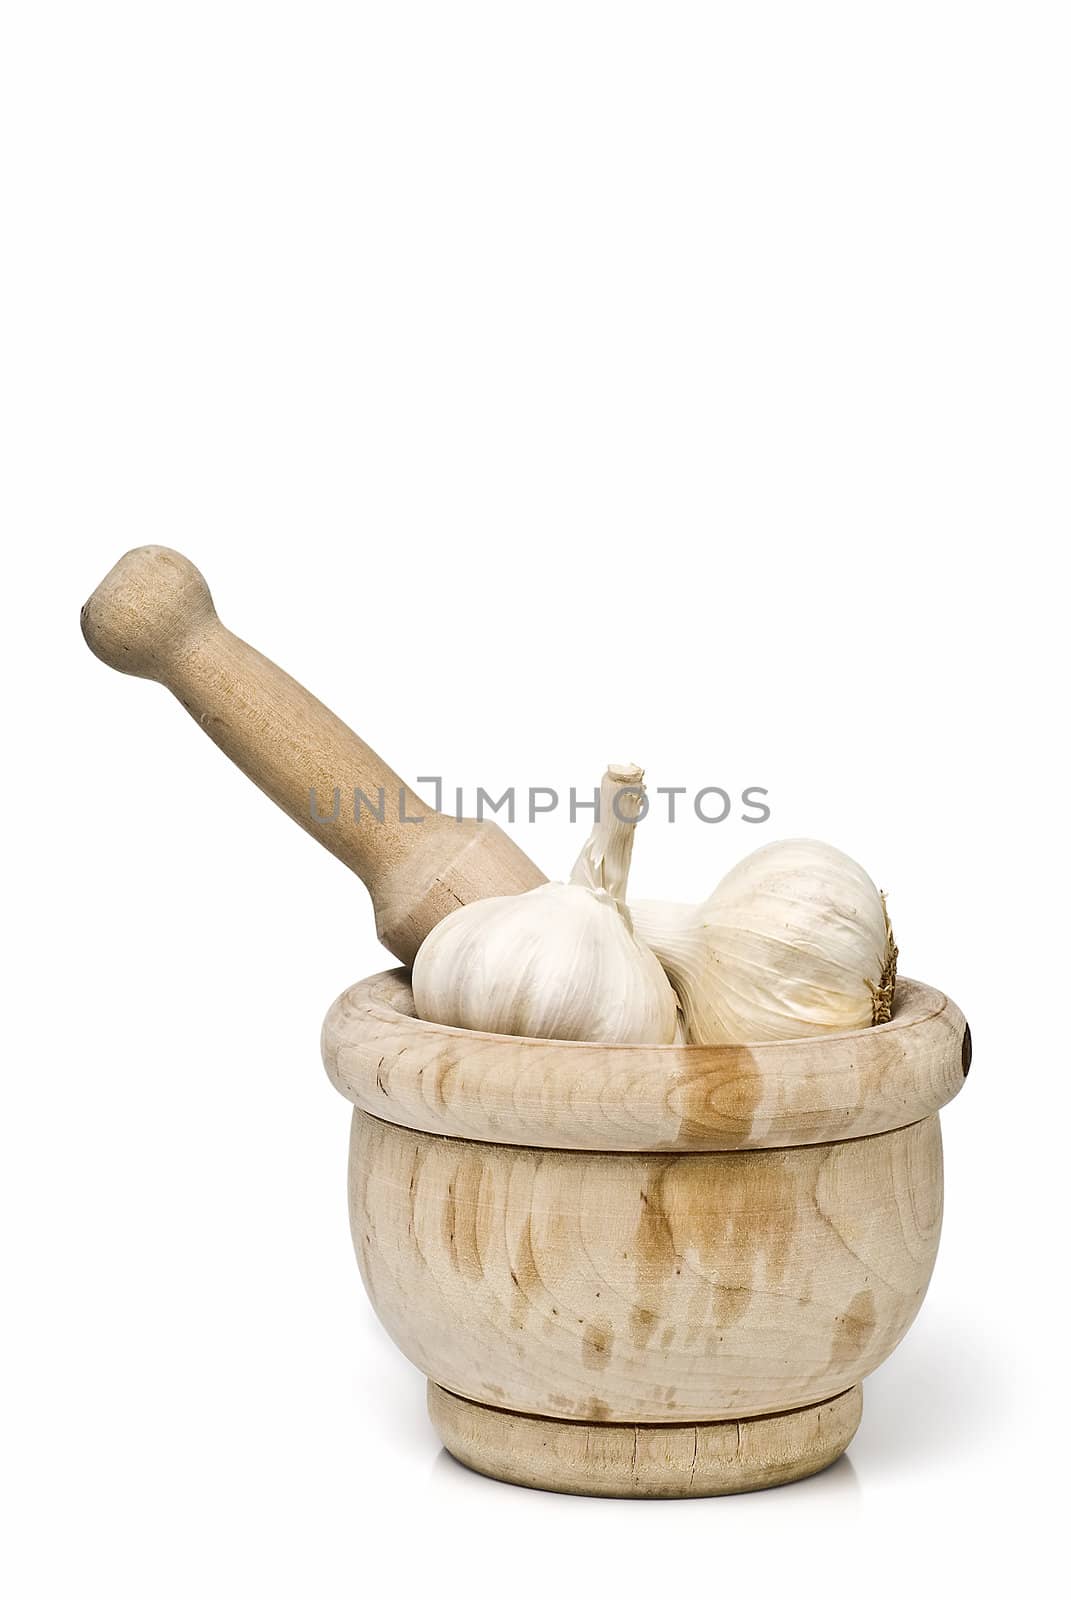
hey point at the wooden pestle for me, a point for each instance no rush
(153, 616)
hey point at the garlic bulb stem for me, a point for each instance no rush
(605, 860)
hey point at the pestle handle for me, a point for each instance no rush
(153, 616)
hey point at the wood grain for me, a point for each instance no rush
(645, 1462)
(645, 1288)
(553, 1095)
(153, 616)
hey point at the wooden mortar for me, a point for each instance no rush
(644, 1270)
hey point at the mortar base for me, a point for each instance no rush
(646, 1460)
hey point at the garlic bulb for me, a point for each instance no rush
(794, 941)
(561, 961)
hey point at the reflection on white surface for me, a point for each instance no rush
(939, 1398)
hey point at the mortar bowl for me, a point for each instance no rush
(652, 1271)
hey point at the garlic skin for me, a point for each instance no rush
(561, 961)
(795, 941)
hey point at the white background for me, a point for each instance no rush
(541, 385)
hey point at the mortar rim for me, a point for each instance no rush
(565, 1094)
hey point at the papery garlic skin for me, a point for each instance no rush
(794, 942)
(561, 961)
